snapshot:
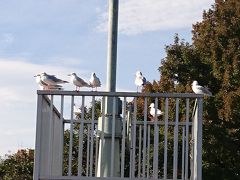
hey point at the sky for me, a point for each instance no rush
(64, 36)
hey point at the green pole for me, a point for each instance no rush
(106, 168)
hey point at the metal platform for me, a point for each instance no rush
(70, 146)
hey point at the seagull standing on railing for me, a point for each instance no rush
(94, 81)
(77, 81)
(45, 86)
(140, 80)
(51, 80)
(152, 111)
(200, 89)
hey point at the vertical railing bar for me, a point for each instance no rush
(134, 137)
(102, 131)
(155, 149)
(80, 143)
(71, 140)
(192, 150)
(139, 151)
(62, 135)
(88, 149)
(198, 141)
(183, 150)
(92, 138)
(37, 155)
(113, 137)
(165, 139)
(96, 151)
(186, 140)
(123, 138)
(130, 128)
(50, 145)
(148, 150)
(192, 142)
(144, 137)
(175, 148)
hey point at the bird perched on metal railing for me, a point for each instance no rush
(140, 80)
(197, 89)
(77, 81)
(94, 81)
(154, 112)
(45, 86)
(51, 80)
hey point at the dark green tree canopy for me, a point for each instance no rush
(18, 165)
(214, 61)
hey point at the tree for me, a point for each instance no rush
(214, 60)
(18, 165)
(85, 141)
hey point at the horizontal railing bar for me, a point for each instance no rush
(78, 121)
(137, 122)
(91, 178)
(118, 94)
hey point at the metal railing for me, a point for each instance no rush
(71, 145)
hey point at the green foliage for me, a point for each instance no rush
(88, 114)
(213, 60)
(17, 166)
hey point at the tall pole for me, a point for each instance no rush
(112, 45)
(110, 126)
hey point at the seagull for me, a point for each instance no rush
(51, 79)
(77, 110)
(152, 111)
(45, 86)
(77, 81)
(94, 81)
(140, 80)
(200, 89)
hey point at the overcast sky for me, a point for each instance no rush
(63, 36)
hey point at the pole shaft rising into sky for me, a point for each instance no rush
(112, 45)
(108, 160)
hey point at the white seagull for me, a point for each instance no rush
(51, 79)
(77, 110)
(45, 86)
(77, 81)
(94, 81)
(152, 111)
(140, 80)
(200, 89)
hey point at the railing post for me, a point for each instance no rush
(197, 144)
(36, 170)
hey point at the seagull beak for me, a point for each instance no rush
(69, 74)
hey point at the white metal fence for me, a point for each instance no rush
(72, 145)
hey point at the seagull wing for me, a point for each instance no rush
(56, 80)
(82, 82)
(98, 82)
(159, 112)
(203, 90)
(206, 91)
(144, 80)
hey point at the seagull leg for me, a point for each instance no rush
(152, 119)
